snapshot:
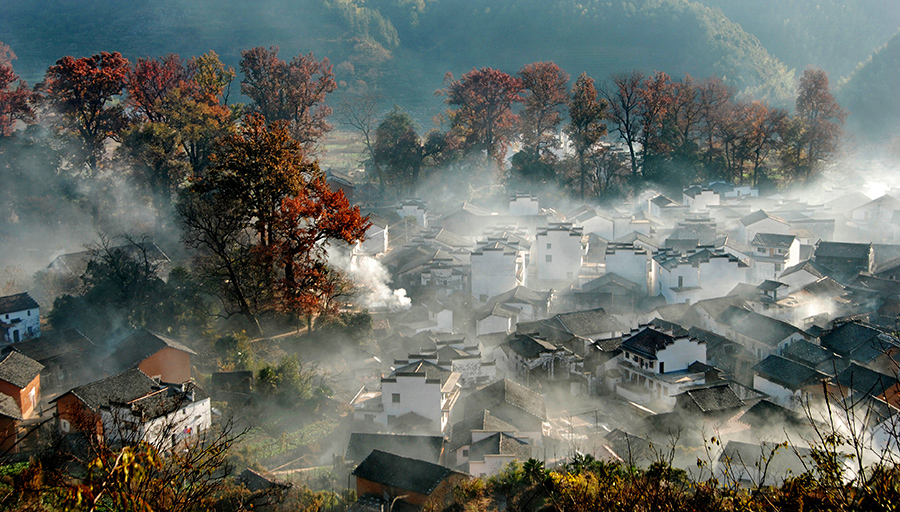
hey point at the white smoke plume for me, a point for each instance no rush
(373, 281)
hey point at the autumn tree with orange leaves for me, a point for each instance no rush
(82, 92)
(481, 110)
(263, 217)
(292, 91)
(15, 96)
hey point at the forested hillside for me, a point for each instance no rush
(870, 93)
(834, 35)
(406, 46)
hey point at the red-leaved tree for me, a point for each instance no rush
(83, 92)
(15, 102)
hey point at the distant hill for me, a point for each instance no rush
(405, 46)
(834, 35)
(872, 96)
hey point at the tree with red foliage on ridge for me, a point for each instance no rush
(15, 104)
(587, 114)
(83, 91)
(657, 94)
(292, 91)
(302, 228)
(483, 119)
(821, 118)
(546, 85)
(151, 80)
(262, 197)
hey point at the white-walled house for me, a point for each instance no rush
(629, 261)
(377, 236)
(523, 204)
(761, 222)
(771, 254)
(654, 365)
(786, 382)
(420, 393)
(20, 318)
(700, 275)
(559, 253)
(760, 334)
(592, 221)
(699, 199)
(414, 208)
(803, 273)
(164, 418)
(497, 266)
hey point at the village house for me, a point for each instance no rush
(79, 409)
(166, 417)
(489, 453)
(662, 207)
(524, 205)
(10, 421)
(654, 365)
(694, 276)
(498, 265)
(384, 479)
(759, 334)
(503, 406)
(863, 344)
(698, 198)
(771, 254)
(846, 259)
(802, 274)
(377, 237)
(67, 357)
(786, 382)
(20, 318)
(591, 221)
(20, 379)
(414, 208)
(876, 214)
(533, 359)
(559, 253)
(630, 261)
(761, 222)
(418, 395)
(156, 355)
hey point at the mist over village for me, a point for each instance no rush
(378, 255)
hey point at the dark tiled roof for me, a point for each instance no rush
(19, 370)
(713, 398)
(17, 302)
(790, 374)
(427, 448)
(531, 346)
(165, 401)
(507, 392)
(759, 215)
(770, 286)
(54, 345)
(765, 414)
(429, 369)
(585, 323)
(866, 381)
(611, 278)
(773, 240)
(648, 342)
(809, 266)
(859, 342)
(500, 444)
(8, 407)
(139, 346)
(121, 388)
(807, 353)
(843, 250)
(402, 472)
(757, 327)
(666, 325)
(664, 201)
(461, 433)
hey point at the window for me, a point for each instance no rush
(64, 425)
(680, 281)
(662, 367)
(548, 258)
(778, 267)
(465, 452)
(395, 398)
(549, 246)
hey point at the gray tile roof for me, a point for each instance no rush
(759, 215)
(120, 388)
(858, 341)
(403, 473)
(843, 250)
(790, 374)
(531, 347)
(712, 398)
(500, 444)
(19, 370)
(53, 345)
(17, 302)
(866, 381)
(8, 408)
(506, 392)
(757, 327)
(461, 432)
